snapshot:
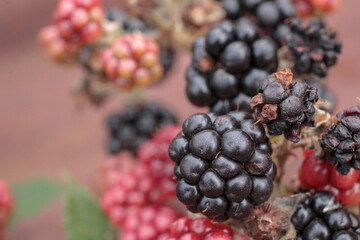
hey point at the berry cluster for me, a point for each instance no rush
(223, 165)
(154, 155)
(148, 223)
(131, 24)
(321, 175)
(112, 168)
(6, 205)
(227, 66)
(284, 105)
(306, 8)
(76, 23)
(135, 188)
(150, 182)
(199, 229)
(313, 49)
(132, 60)
(138, 123)
(320, 216)
(341, 143)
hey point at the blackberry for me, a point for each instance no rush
(313, 48)
(138, 123)
(320, 216)
(341, 143)
(227, 66)
(223, 165)
(284, 105)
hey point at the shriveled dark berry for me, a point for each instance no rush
(341, 142)
(225, 161)
(285, 106)
(313, 48)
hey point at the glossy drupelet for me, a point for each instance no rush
(313, 48)
(228, 64)
(284, 105)
(223, 165)
(318, 174)
(341, 143)
(320, 216)
(187, 228)
(136, 124)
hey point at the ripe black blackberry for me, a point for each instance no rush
(320, 216)
(341, 144)
(223, 165)
(227, 66)
(129, 129)
(313, 48)
(285, 106)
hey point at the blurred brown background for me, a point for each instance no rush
(42, 133)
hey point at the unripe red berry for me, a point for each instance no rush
(76, 23)
(142, 65)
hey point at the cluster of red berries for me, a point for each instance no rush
(154, 155)
(112, 169)
(135, 188)
(322, 175)
(139, 194)
(306, 8)
(76, 23)
(6, 205)
(199, 229)
(132, 60)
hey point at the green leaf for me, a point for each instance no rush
(32, 196)
(83, 217)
